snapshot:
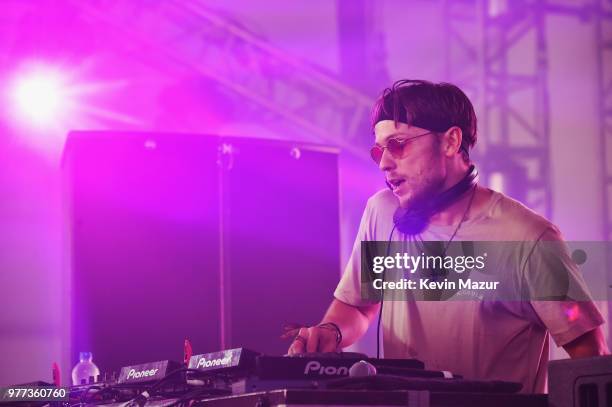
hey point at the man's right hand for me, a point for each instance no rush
(352, 322)
(314, 339)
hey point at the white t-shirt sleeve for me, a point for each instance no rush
(557, 291)
(349, 288)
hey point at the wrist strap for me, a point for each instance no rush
(331, 325)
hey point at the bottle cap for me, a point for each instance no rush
(85, 356)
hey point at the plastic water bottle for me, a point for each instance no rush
(84, 369)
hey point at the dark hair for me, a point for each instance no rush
(432, 106)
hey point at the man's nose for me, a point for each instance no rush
(387, 162)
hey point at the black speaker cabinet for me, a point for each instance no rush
(221, 240)
(585, 382)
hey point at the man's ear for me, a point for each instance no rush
(452, 141)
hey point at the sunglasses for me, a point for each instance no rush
(395, 146)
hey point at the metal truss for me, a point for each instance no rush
(191, 36)
(361, 37)
(463, 47)
(511, 100)
(515, 105)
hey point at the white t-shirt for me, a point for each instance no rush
(485, 340)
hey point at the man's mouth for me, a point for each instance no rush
(395, 183)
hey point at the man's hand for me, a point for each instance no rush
(351, 321)
(314, 339)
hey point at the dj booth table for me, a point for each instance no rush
(242, 377)
(312, 398)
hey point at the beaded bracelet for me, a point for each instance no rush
(331, 325)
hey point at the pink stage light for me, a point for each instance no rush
(44, 101)
(40, 98)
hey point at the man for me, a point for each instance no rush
(423, 135)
